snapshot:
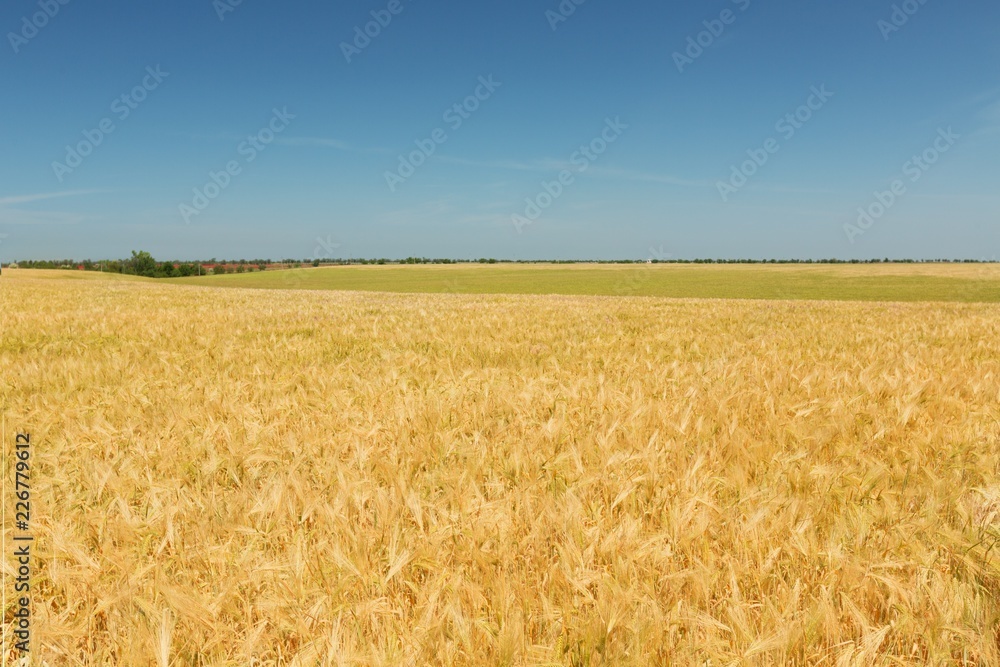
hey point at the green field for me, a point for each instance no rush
(880, 282)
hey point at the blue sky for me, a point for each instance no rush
(671, 129)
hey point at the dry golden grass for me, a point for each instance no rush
(231, 477)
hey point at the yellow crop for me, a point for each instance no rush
(236, 477)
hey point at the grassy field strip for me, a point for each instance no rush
(894, 282)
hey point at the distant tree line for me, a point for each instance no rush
(142, 263)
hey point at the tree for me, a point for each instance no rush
(142, 264)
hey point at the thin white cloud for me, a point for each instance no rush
(17, 216)
(991, 112)
(428, 210)
(307, 142)
(988, 120)
(795, 190)
(983, 107)
(492, 219)
(495, 164)
(314, 141)
(961, 197)
(630, 175)
(990, 117)
(551, 165)
(9, 216)
(323, 142)
(26, 199)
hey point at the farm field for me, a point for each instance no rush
(869, 282)
(267, 477)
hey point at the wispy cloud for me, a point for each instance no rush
(304, 142)
(323, 142)
(991, 113)
(959, 197)
(427, 210)
(551, 165)
(319, 142)
(27, 199)
(9, 216)
(630, 175)
(17, 216)
(539, 165)
(989, 117)
(794, 190)
(982, 108)
(495, 219)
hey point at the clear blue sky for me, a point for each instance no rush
(320, 188)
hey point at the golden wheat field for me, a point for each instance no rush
(239, 477)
